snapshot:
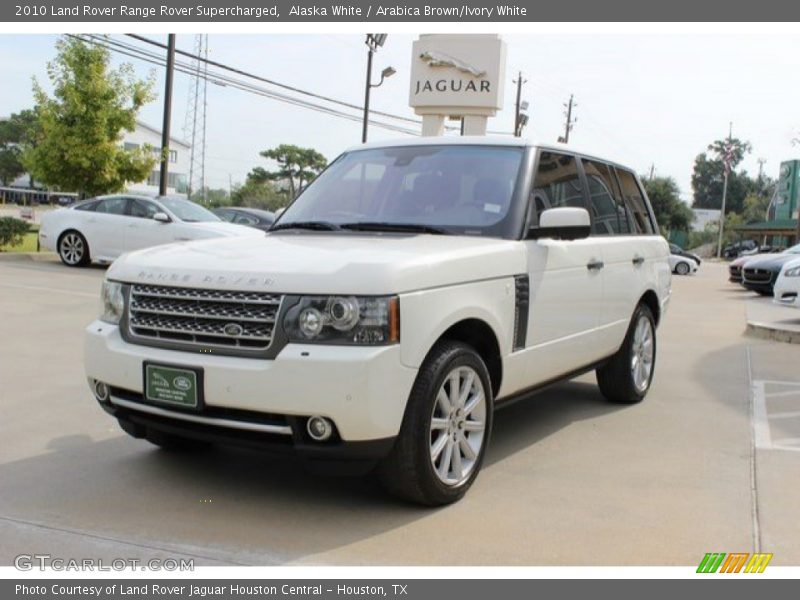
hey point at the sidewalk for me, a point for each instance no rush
(768, 320)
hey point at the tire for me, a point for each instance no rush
(682, 268)
(73, 250)
(622, 380)
(424, 463)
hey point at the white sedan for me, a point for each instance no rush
(101, 229)
(787, 286)
(682, 265)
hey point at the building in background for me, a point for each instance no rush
(780, 228)
(179, 153)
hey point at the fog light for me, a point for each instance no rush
(319, 428)
(101, 391)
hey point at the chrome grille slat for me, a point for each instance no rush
(196, 318)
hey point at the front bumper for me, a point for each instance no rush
(363, 390)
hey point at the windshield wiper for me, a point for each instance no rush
(393, 227)
(312, 225)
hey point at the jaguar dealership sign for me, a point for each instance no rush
(458, 77)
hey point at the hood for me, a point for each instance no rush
(326, 263)
(771, 261)
(225, 229)
(740, 262)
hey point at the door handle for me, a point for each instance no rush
(638, 260)
(595, 265)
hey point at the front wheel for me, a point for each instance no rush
(682, 268)
(445, 430)
(626, 377)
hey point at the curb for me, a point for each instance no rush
(767, 331)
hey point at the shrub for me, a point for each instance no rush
(12, 231)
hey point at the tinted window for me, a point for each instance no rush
(635, 202)
(608, 212)
(242, 219)
(112, 206)
(225, 215)
(188, 211)
(557, 183)
(462, 189)
(89, 206)
(143, 209)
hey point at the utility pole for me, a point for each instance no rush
(518, 110)
(570, 121)
(652, 171)
(727, 162)
(374, 41)
(163, 179)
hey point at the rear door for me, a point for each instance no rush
(565, 276)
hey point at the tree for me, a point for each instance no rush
(755, 208)
(78, 146)
(297, 166)
(259, 195)
(18, 131)
(671, 213)
(709, 173)
(213, 198)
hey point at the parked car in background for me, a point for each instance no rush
(735, 268)
(739, 249)
(678, 251)
(682, 265)
(252, 217)
(102, 228)
(787, 286)
(760, 274)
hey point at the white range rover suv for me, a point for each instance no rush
(409, 291)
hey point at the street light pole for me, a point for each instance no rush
(163, 179)
(726, 162)
(367, 89)
(373, 41)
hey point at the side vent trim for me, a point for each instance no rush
(521, 309)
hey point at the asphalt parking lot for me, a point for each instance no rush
(710, 462)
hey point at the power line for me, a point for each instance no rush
(226, 81)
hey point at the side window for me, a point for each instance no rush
(225, 215)
(557, 183)
(609, 216)
(635, 202)
(241, 219)
(112, 206)
(143, 209)
(88, 206)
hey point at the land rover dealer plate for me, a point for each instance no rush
(171, 385)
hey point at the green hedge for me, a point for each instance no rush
(12, 231)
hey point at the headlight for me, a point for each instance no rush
(113, 301)
(793, 272)
(360, 321)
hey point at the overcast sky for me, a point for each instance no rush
(642, 100)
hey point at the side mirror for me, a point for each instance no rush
(161, 217)
(565, 223)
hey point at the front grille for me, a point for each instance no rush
(200, 319)
(758, 275)
(735, 271)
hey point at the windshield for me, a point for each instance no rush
(794, 249)
(445, 189)
(188, 211)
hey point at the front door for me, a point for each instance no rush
(565, 277)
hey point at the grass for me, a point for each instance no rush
(28, 244)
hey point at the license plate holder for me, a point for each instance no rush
(173, 385)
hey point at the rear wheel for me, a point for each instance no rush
(445, 430)
(73, 249)
(626, 377)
